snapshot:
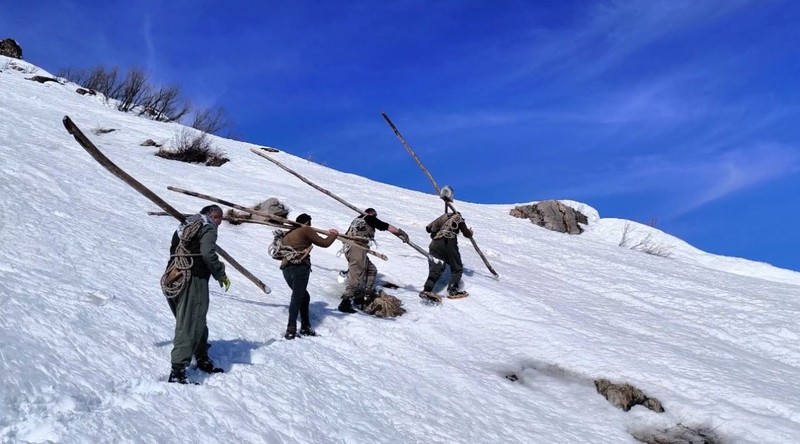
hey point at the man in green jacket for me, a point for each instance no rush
(195, 241)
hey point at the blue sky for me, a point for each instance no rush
(682, 111)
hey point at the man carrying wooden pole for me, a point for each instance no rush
(361, 272)
(448, 200)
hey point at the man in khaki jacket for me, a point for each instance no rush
(296, 266)
(361, 271)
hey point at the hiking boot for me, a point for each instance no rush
(207, 365)
(291, 332)
(346, 306)
(456, 293)
(427, 295)
(178, 374)
(357, 301)
(306, 330)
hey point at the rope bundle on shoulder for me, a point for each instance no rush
(449, 229)
(178, 272)
(278, 251)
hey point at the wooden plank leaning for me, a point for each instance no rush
(337, 198)
(284, 223)
(146, 192)
(448, 204)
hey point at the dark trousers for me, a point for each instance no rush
(190, 308)
(297, 278)
(446, 250)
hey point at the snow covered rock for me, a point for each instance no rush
(552, 215)
(626, 396)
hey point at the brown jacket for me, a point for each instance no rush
(302, 238)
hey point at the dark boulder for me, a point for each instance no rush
(10, 48)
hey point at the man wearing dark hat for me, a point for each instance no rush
(361, 271)
(296, 266)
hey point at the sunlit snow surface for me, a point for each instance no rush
(85, 333)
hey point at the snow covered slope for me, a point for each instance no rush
(85, 333)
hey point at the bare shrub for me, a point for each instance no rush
(311, 157)
(211, 120)
(645, 244)
(23, 67)
(103, 81)
(99, 79)
(133, 91)
(193, 147)
(166, 104)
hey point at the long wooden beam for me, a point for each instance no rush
(146, 192)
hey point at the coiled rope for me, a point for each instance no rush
(178, 272)
(449, 229)
(277, 250)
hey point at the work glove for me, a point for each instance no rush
(402, 235)
(225, 283)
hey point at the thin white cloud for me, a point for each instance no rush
(151, 57)
(741, 169)
(685, 184)
(608, 34)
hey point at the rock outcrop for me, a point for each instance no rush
(553, 215)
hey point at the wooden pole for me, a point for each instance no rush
(337, 198)
(410, 151)
(447, 203)
(146, 192)
(312, 184)
(343, 238)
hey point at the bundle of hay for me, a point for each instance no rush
(384, 306)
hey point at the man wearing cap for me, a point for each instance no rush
(297, 269)
(361, 271)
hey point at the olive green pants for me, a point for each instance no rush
(190, 308)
